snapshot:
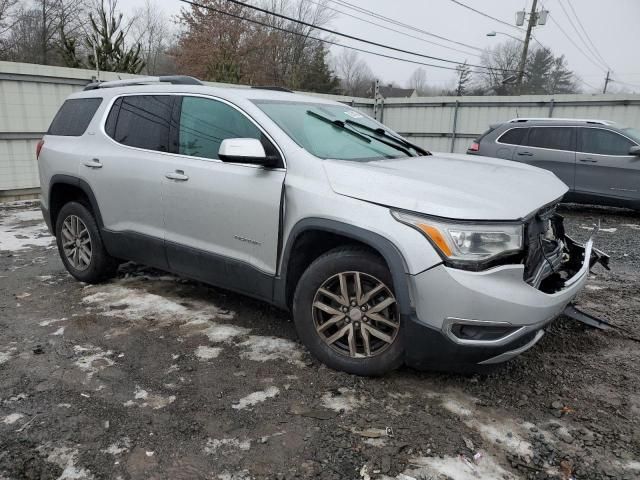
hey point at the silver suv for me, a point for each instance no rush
(597, 159)
(383, 252)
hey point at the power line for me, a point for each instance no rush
(566, 13)
(328, 30)
(330, 42)
(575, 44)
(486, 15)
(586, 34)
(379, 16)
(393, 29)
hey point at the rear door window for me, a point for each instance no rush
(515, 136)
(604, 142)
(74, 117)
(141, 121)
(554, 138)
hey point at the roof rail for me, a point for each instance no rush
(172, 79)
(274, 88)
(554, 119)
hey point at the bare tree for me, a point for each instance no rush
(356, 77)
(418, 81)
(151, 30)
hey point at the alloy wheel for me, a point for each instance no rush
(76, 242)
(356, 314)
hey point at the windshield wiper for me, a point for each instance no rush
(364, 136)
(340, 124)
(384, 133)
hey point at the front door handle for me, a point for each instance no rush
(178, 175)
(588, 160)
(94, 163)
(525, 154)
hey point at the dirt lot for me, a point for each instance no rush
(152, 376)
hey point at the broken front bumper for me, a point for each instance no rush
(489, 316)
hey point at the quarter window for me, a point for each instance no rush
(205, 123)
(555, 138)
(604, 142)
(74, 117)
(513, 136)
(141, 121)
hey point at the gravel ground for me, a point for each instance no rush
(153, 376)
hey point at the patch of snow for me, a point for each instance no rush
(216, 333)
(594, 287)
(215, 444)
(154, 401)
(607, 230)
(58, 332)
(376, 442)
(92, 359)
(14, 235)
(46, 323)
(12, 418)
(632, 465)
(122, 446)
(633, 226)
(64, 405)
(456, 407)
(256, 397)
(207, 353)
(65, 458)
(456, 468)
(135, 304)
(344, 400)
(4, 357)
(15, 398)
(262, 349)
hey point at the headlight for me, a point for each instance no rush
(464, 241)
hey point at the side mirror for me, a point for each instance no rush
(244, 150)
(635, 151)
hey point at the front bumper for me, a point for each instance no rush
(504, 315)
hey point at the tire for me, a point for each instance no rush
(317, 327)
(92, 263)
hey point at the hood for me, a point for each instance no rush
(458, 186)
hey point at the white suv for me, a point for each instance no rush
(384, 252)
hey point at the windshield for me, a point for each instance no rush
(310, 126)
(633, 133)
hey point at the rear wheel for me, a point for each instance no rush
(346, 312)
(80, 245)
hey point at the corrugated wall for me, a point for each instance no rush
(30, 95)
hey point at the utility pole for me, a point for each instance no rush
(606, 82)
(533, 18)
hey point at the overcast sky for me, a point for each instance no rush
(613, 27)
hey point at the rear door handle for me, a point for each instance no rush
(588, 160)
(94, 163)
(525, 154)
(178, 176)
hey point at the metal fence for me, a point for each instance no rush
(31, 94)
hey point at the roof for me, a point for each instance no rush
(395, 92)
(243, 93)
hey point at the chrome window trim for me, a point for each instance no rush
(109, 106)
(607, 154)
(504, 133)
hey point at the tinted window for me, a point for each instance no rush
(604, 142)
(556, 138)
(74, 117)
(205, 123)
(141, 121)
(513, 136)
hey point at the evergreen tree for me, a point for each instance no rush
(318, 77)
(105, 45)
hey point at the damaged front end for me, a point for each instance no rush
(552, 258)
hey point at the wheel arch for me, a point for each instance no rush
(297, 256)
(66, 188)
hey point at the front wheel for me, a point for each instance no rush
(80, 245)
(346, 313)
